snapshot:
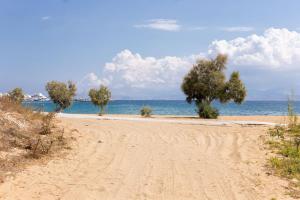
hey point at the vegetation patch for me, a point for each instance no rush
(100, 97)
(61, 94)
(25, 134)
(206, 82)
(146, 111)
(285, 144)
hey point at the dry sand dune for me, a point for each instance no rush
(152, 160)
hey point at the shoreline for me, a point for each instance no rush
(184, 119)
(176, 107)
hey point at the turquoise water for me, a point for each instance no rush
(170, 107)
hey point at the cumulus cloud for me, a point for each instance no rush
(237, 29)
(275, 48)
(132, 75)
(89, 81)
(161, 24)
(136, 71)
(131, 72)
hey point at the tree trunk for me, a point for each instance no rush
(101, 111)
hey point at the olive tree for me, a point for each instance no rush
(100, 97)
(206, 82)
(61, 94)
(16, 95)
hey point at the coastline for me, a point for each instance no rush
(187, 119)
(173, 107)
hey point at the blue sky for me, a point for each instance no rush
(142, 48)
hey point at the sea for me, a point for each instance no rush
(172, 107)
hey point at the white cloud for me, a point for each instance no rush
(46, 18)
(237, 29)
(161, 24)
(128, 72)
(275, 48)
(131, 75)
(133, 70)
(89, 81)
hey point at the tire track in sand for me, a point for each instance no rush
(152, 160)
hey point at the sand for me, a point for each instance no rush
(123, 159)
(170, 119)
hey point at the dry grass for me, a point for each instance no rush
(25, 134)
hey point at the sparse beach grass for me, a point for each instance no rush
(284, 143)
(25, 134)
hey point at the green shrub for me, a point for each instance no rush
(206, 111)
(146, 111)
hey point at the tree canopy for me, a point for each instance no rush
(16, 95)
(100, 97)
(206, 82)
(61, 94)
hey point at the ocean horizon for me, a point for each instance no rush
(172, 107)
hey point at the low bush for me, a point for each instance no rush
(206, 111)
(146, 111)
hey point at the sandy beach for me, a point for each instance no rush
(123, 159)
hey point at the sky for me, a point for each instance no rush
(141, 49)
